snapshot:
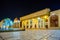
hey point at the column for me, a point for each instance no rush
(49, 22)
(25, 24)
(43, 24)
(29, 23)
(19, 24)
(22, 24)
(37, 24)
(40, 23)
(32, 23)
(59, 20)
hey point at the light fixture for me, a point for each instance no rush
(38, 17)
(45, 17)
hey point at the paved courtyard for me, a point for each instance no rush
(31, 35)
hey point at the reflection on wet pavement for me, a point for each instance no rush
(31, 35)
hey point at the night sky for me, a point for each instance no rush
(12, 9)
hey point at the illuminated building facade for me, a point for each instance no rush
(1, 23)
(39, 19)
(16, 23)
(55, 19)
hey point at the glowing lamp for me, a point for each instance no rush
(46, 17)
(38, 17)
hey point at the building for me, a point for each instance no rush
(1, 23)
(39, 19)
(54, 19)
(16, 23)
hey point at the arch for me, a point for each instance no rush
(54, 20)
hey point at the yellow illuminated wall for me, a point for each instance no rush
(26, 23)
(42, 14)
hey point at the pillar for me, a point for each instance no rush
(33, 23)
(59, 20)
(49, 22)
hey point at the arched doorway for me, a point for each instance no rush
(54, 21)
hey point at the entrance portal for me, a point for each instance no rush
(54, 21)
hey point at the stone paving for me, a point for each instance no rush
(31, 35)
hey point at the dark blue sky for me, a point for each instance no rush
(20, 8)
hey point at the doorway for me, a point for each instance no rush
(54, 21)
